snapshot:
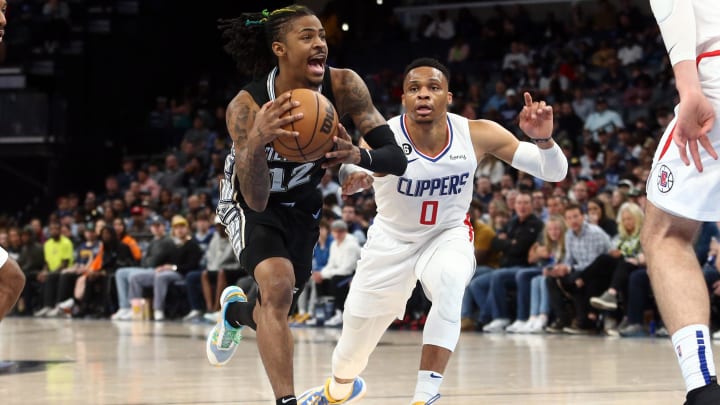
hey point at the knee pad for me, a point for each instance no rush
(358, 340)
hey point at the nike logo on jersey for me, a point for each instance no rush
(412, 160)
(448, 185)
(317, 214)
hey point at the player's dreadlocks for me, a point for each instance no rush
(248, 38)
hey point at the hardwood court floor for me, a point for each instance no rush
(101, 362)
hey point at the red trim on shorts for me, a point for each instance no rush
(667, 143)
(706, 55)
(471, 231)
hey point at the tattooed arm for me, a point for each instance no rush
(353, 98)
(251, 128)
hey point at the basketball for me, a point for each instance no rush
(317, 128)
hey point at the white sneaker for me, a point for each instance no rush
(53, 313)
(158, 315)
(516, 327)
(212, 316)
(42, 312)
(195, 313)
(496, 326)
(123, 314)
(336, 319)
(537, 326)
(67, 304)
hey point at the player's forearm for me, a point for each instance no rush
(547, 164)
(686, 78)
(386, 156)
(254, 176)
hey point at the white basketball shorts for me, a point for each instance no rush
(3, 257)
(389, 269)
(682, 190)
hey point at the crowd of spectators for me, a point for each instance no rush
(561, 257)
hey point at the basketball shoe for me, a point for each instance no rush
(224, 338)
(429, 401)
(321, 395)
(706, 395)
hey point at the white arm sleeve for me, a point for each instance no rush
(348, 169)
(546, 164)
(3, 257)
(676, 19)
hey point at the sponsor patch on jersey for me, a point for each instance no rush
(665, 179)
(458, 157)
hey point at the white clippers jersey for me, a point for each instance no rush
(435, 192)
(707, 29)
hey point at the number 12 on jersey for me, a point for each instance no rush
(428, 215)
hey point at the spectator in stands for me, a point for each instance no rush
(31, 261)
(124, 237)
(602, 117)
(442, 27)
(223, 269)
(172, 176)
(514, 241)
(492, 168)
(14, 244)
(58, 252)
(533, 304)
(495, 101)
(184, 258)
(597, 215)
(329, 186)
(626, 257)
(585, 242)
(580, 194)
(127, 175)
(483, 189)
(85, 253)
(334, 279)
(198, 135)
(93, 288)
(147, 183)
(353, 222)
(321, 253)
(158, 252)
(516, 58)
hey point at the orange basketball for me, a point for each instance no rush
(317, 128)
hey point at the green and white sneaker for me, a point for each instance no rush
(224, 338)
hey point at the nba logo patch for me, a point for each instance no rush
(665, 179)
(679, 351)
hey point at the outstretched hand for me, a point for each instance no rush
(536, 118)
(357, 182)
(695, 119)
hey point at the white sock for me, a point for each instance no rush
(339, 391)
(428, 385)
(693, 349)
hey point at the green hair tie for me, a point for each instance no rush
(265, 13)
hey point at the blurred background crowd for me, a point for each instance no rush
(115, 201)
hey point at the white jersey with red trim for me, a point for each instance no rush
(435, 192)
(707, 29)
(675, 188)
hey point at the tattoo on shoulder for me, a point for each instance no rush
(355, 100)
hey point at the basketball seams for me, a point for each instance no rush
(292, 150)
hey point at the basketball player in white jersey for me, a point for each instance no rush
(682, 194)
(422, 230)
(12, 279)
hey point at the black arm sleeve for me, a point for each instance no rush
(386, 156)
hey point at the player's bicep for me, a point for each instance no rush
(490, 137)
(354, 99)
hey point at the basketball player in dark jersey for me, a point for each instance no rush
(12, 279)
(272, 207)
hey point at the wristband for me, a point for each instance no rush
(542, 140)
